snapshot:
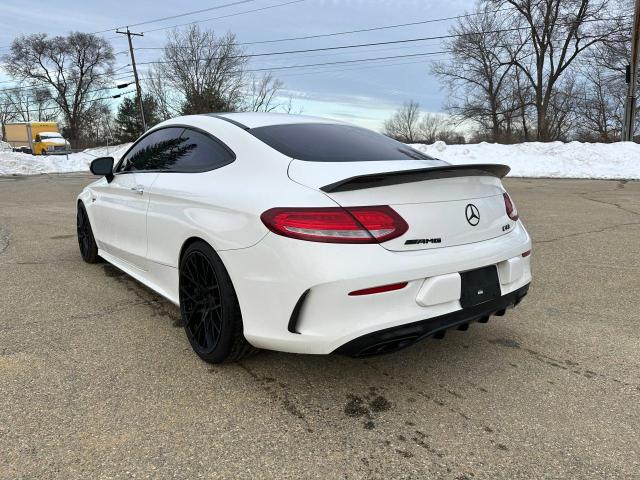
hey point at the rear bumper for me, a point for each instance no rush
(396, 338)
(272, 277)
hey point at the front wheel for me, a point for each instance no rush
(209, 307)
(86, 240)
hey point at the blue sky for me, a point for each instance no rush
(363, 93)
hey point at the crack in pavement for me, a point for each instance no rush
(613, 204)
(577, 234)
(568, 365)
(585, 195)
(5, 238)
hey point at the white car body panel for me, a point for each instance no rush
(269, 285)
(120, 209)
(144, 233)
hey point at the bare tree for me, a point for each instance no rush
(7, 112)
(169, 102)
(291, 108)
(600, 106)
(94, 130)
(21, 104)
(73, 68)
(478, 74)
(550, 36)
(602, 89)
(205, 70)
(263, 94)
(45, 108)
(404, 124)
(434, 127)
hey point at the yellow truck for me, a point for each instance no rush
(37, 138)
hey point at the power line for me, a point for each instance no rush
(342, 47)
(348, 32)
(371, 29)
(359, 45)
(48, 85)
(342, 62)
(81, 103)
(353, 68)
(185, 14)
(69, 70)
(119, 86)
(171, 17)
(226, 16)
(307, 50)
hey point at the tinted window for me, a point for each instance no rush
(200, 153)
(156, 151)
(177, 150)
(319, 142)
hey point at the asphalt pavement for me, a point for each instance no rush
(97, 379)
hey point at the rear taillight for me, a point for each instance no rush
(512, 212)
(336, 224)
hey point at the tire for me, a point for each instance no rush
(86, 241)
(209, 307)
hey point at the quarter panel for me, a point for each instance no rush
(222, 206)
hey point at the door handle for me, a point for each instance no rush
(139, 189)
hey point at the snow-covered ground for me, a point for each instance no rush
(13, 163)
(557, 159)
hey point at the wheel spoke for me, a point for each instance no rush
(200, 301)
(185, 292)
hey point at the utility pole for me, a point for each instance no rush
(129, 34)
(632, 80)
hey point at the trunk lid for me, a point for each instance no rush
(444, 205)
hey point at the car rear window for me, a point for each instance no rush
(326, 142)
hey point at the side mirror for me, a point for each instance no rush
(102, 167)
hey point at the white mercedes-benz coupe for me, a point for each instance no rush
(305, 235)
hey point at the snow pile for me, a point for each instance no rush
(555, 159)
(14, 163)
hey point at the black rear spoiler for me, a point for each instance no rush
(408, 176)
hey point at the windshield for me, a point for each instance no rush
(326, 142)
(47, 136)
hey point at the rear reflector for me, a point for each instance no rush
(384, 288)
(527, 253)
(336, 224)
(512, 212)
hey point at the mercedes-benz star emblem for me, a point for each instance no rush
(473, 214)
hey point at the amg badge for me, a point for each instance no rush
(423, 241)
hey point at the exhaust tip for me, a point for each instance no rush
(439, 335)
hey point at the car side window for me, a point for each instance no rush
(156, 151)
(198, 152)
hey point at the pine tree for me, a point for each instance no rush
(128, 122)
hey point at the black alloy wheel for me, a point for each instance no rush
(209, 306)
(86, 241)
